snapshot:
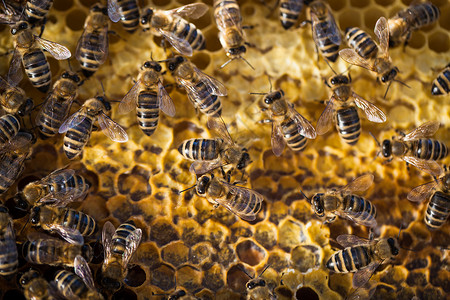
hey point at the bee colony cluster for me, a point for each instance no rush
(112, 207)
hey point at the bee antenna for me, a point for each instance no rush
(258, 93)
(245, 271)
(270, 83)
(226, 63)
(23, 228)
(402, 83)
(389, 85)
(376, 141)
(190, 188)
(265, 268)
(445, 168)
(151, 56)
(70, 66)
(247, 62)
(330, 67)
(103, 88)
(309, 200)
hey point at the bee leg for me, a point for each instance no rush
(44, 21)
(304, 23)
(265, 121)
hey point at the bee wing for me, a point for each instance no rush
(325, 120)
(425, 130)
(363, 275)
(429, 166)
(133, 242)
(202, 167)
(107, 234)
(348, 240)
(213, 85)
(193, 11)
(331, 30)
(225, 20)
(277, 139)
(304, 127)
(58, 175)
(72, 236)
(220, 128)
(382, 32)
(350, 56)
(100, 48)
(181, 45)
(73, 121)
(364, 219)
(62, 198)
(83, 271)
(422, 192)
(128, 102)
(373, 113)
(113, 10)
(360, 184)
(58, 51)
(15, 73)
(53, 117)
(165, 102)
(112, 129)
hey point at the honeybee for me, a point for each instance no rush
(288, 126)
(79, 285)
(125, 10)
(12, 158)
(9, 127)
(441, 85)
(13, 99)
(92, 47)
(417, 148)
(342, 202)
(148, 95)
(411, 19)
(9, 259)
(62, 186)
(290, 12)
(57, 104)
(341, 109)
(79, 126)
(362, 256)
(35, 12)
(181, 34)
(257, 288)
(119, 246)
(202, 90)
(34, 286)
(243, 202)
(361, 42)
(33, 58)
(438, 191)
(381, 64)
(70, 224)
(209, 154)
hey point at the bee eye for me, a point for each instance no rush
(180, 59)
(147, 64)
(143, 20)
(158, 68)
(242, 49)
(171, 66)
(13, 31)
(65, 75)
(268, 100)
(383, 79)
(76, 78)
(23, 26)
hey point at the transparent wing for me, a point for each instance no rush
(360, 184)
(72, 236)
(128, 102)
(324, 123)
(60, 175)
(100, 51)
(181, 45)
(425, 130)
(113, 10)
(112, 129)
(422, 192)
(107, 234)
(213, 85)
(84, 272)
(429, 166)
(373, 113)
(217, 124)
(364, 218)
(193, 11)
(51, 107)
(73, 120)
(133, 242)
(330, 30)
(56, 50)
(225, 20)
(277, 139)
(350, 56)
(202, 167)
(363, 275)
(382, 32)
(165, 102)
(15, 73)
(304, 127)
(348, 240)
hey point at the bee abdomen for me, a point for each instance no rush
(187, 31)
(85, 224)
(350, 259)
(425, 14)
(208, 103)
(37, 9)
(120, 239)
(430, 149)
(199, 149)
(77, 137)
(361, 42)
(147, 112)
(8, 178)
(244, 206)
(50, 118)
(37, 69)
(68, 283)
(289, 12)
(90, 51)
(8, 256)
(36, 253)
(348, 124)
(329, 49)
(129, 12)
(438, 210)
(359, 208)
(441, 85)
(293, 138)
(9, 126)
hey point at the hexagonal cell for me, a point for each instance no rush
(306, 293)
(201, 253)
(163, 232)
(134, 185)
(189, 277)
(191, 233)
(266, 235)
(278, 260)
(278, 212)
(439, 42)
(213, 277)
(135, 277)
(164, 277)
(250, 253)
(236, 278)
(290, 234)
(124, 294)
(305, 257)
(176, 253)
(226, 255)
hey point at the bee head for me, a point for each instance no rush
(26, 107)
(233, 52)
(173, 63)
(35, 215)
(86, 252)
(22, 25)
(110, 284)
(146, 16)
(203, 183)
(152, 65)
(318, 206)
(99, 8)
(244, 161)
(251, 284)
(386, 148)
(386, 77)
(338, 80)
(72, 76)
(393, 246)
(105, 102)
(27, 277)
(271, 97)
(21, 204)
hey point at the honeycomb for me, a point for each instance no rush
(189, 245)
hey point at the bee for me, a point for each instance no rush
(12, 158)
(290, 12)
(9, 259)
(243, 202)
(209, 154)
(181, 34)
(411, 19)
(288, 126)
(92, 47)
(148, 95)
(79, 285)
(342, 202)
(57, 104)
(13, 99)
(70, 224)
(381, 64)
(78, 127)
(438, 191)
(119, 246)
(417, 148)
(34, 286)
(62, 186)
(33, 58)
(362, 256)
(341, 109)
(257, 287)
(202, 90)
(9, 127)
(441, 85)
(361, 42)
(125, 10)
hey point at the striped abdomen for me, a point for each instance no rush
(71, 218)
(70, 284)
(359, 209)
(249, 205)
(8, 254)
(438, 210)
(200, 149)
(91, 52)
(227, 13)
(9, 126)
(350, 259)
(41, 251)
(77, 137)
(187, 31)
(361, 42)
(65, 183)
(348, 124)
(37, 69)
(206, 102)
(120, 240)
(37, 9)
(129, 13)
(424, 14)
(51, 117)
(429, 149)
(147, 111)
(292, 136)
(11, 166)
(441, 85)
(289, 12)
